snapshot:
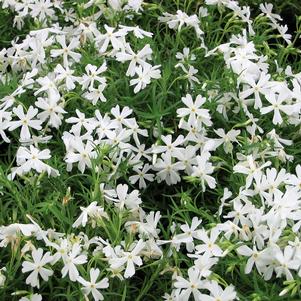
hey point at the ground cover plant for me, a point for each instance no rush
(150, 150)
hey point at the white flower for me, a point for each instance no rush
(193, 110)
(25, 121)
(92, 211)
(203, 171)
(5, 118)
(185, 56)
(52, 110)
(276, 101)
(250, 168)
(92, 286)
(190, 74)
(79, 122)
(145, 73)
(227, 194)
(262, 86)
(267, 8)
(204, 263)
(217, 293)
(190, 286)
(66, 51)
(189, 234)
(28, 159)
(120, 116)
(71, 260)
(148, 228)
(2, 277)
(226, 139)
(10, 233)
(83, 153)
(110, 37)
(170, 147)
(135, 5)
(277, 140)
(130, 259)
(93, 75)
(174, 296)
(178, 20)
(139, 58)
(41, 9)
(138, 32)
(130, 201)
(241, 211)
(257, 257)
(94, 95)
(142, 175)
(34, 297)
(37, 267)
(187, 156)
(47, 84)
(209, 245)
(65, 74)
(167, 170)
(104, 125)
(287, 262)
(62, 247)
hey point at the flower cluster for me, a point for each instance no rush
(147, 152)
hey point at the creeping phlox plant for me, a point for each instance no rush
(149, 151)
